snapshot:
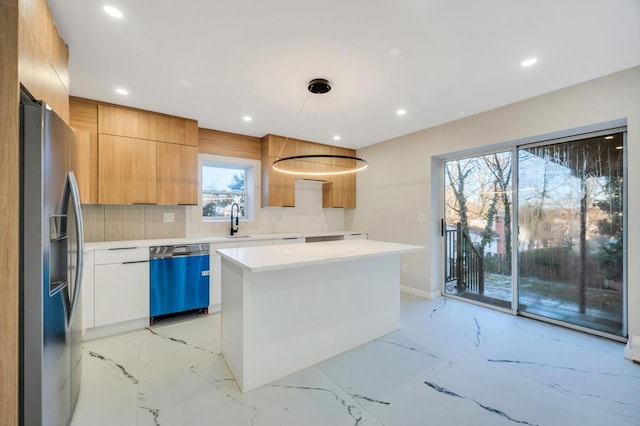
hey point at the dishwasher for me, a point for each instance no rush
(179, 279)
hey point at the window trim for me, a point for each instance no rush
(251, 168)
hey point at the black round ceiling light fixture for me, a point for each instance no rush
(324, 164)
(318, 86)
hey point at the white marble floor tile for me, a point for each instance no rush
(381, 370)
(451, 364)
(474, 392)
(459, 324)
(109, 390)
(585, 367)
(308, 397)
(200, 331)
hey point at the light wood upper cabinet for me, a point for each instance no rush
(177, 174)
(177, 130)
(191, 132)
(126, 156)
(83, 119)
(339, 192)
(84, 160)
(189, 182)
(122, 121)
(126, 170)
(278, 189)
(83, 114)
(170, 129)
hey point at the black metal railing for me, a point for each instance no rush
(463, 261)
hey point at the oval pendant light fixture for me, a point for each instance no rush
(319, 164)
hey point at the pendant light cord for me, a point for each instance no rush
(297, 119)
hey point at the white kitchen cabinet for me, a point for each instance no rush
(215, 265)
(121, 285)
(356, 236)
(291, 240)
(87, 292)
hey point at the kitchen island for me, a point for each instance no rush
(285, 308)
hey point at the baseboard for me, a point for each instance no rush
(111, 329)
(421, 293)
(632, 350)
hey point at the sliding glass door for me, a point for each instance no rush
(571, 240)
(477, 228)
(564, 222)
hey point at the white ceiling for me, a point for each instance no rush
(441, 60)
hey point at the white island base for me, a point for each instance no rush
(285, 308)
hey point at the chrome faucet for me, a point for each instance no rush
(234, 230)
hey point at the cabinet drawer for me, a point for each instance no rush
(121, 255)
(358, 236)
(294, 240)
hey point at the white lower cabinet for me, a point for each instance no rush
(116, 281)
(122, 286)
(292, 240)
(358, 236)
(87, 292)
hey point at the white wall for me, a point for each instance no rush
(399, 185)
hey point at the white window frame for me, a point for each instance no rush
(250, 167)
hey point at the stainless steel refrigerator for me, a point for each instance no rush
(50, 269)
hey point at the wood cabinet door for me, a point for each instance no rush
(168, 173)
(339, 192)
(122, 121)
(191, 133)
(84, 163)
(278, 189)
(342, 191)
(170, 129)
(177, 174)
(189, 178)
(126, 170)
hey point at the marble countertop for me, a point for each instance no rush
(212, 239)
(269, 258)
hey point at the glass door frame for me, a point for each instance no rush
(601, 129)
(516, 266)
(512, 149)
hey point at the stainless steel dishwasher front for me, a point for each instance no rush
(179, 279)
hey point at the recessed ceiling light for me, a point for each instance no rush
(401, 112)
(121, 91)
(529, 62)
(608, 137)
(337, 137)
(247, 118)
(112, 11)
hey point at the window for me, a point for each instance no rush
(224, 184)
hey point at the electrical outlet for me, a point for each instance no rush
(422, 218)
(403, 267)
(169, 217)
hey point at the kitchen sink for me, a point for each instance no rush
(237, 236)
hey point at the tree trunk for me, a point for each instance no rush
(582, 290)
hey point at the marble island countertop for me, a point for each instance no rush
(269, 258)
(213, 239)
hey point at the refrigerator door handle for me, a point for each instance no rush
(72, 188)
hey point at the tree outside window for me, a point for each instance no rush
(222, 186)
